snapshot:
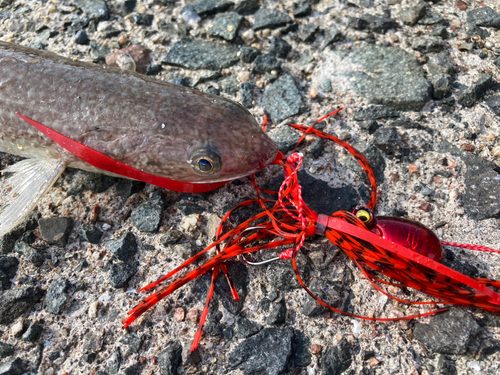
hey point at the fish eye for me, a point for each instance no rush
(364, 215)
(205, 161)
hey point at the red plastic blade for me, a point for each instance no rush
(108, 164)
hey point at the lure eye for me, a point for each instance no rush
(364, 215)
(205, 161)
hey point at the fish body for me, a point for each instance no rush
(155, 127)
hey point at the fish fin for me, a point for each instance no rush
(22, 191)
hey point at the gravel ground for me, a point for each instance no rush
(419, 83)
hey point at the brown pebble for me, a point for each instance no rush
(437, 180)
(122, 40)
(179, 314)
(467, 147)
(193, 315)
(460, 4)
(412, 168)
(316, 349)
(394, 177)
(374, 362)
(426, 207)
(313, 93)
(139, 53)
(453, 27)
(94, 215)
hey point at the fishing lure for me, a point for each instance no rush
(407, 253)
(62, 113)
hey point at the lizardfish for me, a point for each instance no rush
(61, 113)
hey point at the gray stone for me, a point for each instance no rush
(277, 315)
(387, 140)
(99, 51)
(8, 269)
(279, 48)
(332, 35)
(93, 9)
(265, 64)
(247, 7)
(213, 325)
(124, 247)
(16, 302)
(246, 328)
(140, 20)
(482, 198)
(239, 276)
(374, 112)
(412, 15)
(248, 54)
(246, 93)
(133, 341)
(489, 346)
(336, 359)
(90, 234)
(8, 240)
(125, 7)
(375, 24)
(301, 356)
(226, 25)
(428, 44)
(484, 16)
(285, 137)
(170, 359)
(440, 32)
(113, 364)
(468, 96)
(267, 352)
(282, 99)
(200, 54)
(446, 365)
(447, 333)
(431, 19)
(441, 85)
(266, 18)
(13, 367)
(494, 104)
(147, 216)
(281, 276)
(302, 11)
(33, 332)
(121, 273)
(56, 230)
(56, 296)
(441, 64)
(208, 7)
(307, 32)
(229, 85)
(171, 237)
(6, 350)
(397, 79)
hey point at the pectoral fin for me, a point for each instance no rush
(22, 191)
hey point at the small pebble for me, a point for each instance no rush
(93, 310)
(193, 316)
(179, 314)
(244, 76)
(467, 147)
(412, 168)
(81, 37)
(495, 151)
(316, 349)
(313, 93)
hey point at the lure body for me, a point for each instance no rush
(117, 118)
(411, 235)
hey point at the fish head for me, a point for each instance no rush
(207, 139)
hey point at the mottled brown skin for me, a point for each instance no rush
(150, 125)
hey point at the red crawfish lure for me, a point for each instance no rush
(403, 251)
